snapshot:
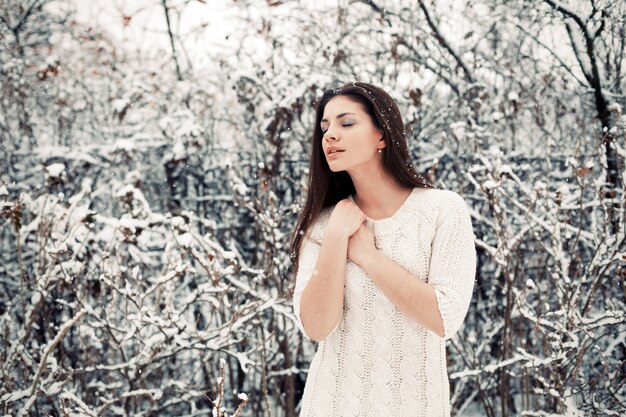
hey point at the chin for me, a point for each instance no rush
(335, 168)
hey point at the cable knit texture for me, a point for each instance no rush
(377, 362)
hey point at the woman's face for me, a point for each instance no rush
(346, 126)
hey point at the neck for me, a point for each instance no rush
(376, 193)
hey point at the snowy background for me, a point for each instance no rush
(153, 159)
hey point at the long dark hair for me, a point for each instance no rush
(326, 187)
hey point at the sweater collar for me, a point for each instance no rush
(390, 224)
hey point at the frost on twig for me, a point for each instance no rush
(219, 409)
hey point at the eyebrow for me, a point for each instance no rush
(338, 116)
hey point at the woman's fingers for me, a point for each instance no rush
(346, 217)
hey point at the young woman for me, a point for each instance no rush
(384, 263)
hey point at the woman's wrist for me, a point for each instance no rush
(336, 236)
(369, 259)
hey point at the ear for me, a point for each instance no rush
(382, 144)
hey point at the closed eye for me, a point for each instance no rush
(343, 125)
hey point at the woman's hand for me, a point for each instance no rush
(345, 219)
(361, 245)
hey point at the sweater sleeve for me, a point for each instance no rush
(453, 263)
(309, 252)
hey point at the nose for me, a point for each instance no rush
(329, 135)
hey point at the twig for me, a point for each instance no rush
(445, 43)
(171, 36)
(62, 332)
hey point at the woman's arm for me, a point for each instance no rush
(415, 298)
(441, 303)
(318, 296)
(321, 303)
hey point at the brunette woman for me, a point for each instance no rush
(384, 263)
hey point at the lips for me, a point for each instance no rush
(333, 150)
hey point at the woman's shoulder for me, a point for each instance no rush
(436, 197)
(436, 202)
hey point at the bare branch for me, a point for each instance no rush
(602, 26)
(383, 12)
(619, 57)
(550, 50)
(595, 82)
(171, 36)
(446, 44)
(570, 33)
(567, 12)
(6, 22)
(454, 86)
(51, 346)
(25, 16)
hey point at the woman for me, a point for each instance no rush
(385, 266)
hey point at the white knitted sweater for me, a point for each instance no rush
(377, 362)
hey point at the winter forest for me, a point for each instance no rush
(154, 157)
